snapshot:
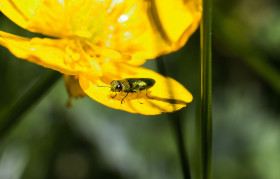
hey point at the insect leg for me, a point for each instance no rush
(138, 97)
(115, 95)
(124, 97)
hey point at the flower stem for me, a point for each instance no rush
(175, 120)
(206, 90)
(13, 115)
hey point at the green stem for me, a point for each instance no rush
(15, 112)
(175, 120)
(176, 123)
(206, 90)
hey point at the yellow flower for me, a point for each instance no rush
(99, 41)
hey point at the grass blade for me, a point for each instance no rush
(206, 90)
(176, 124)
(13, 115)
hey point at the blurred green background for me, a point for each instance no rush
(90, 140)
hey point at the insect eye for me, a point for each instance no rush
(119, 87)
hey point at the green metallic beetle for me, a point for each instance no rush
(131, 85)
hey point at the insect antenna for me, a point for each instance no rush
(104, 86)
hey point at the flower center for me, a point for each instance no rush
(87, 57)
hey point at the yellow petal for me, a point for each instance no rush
(167, 95)
(153, 29)
(58, 54)
(177, 19)
(139, 30)
(48, 17)
(59, 18)
(20, 11)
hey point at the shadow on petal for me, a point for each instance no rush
(169, 100)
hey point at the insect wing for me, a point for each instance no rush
(140, 83)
